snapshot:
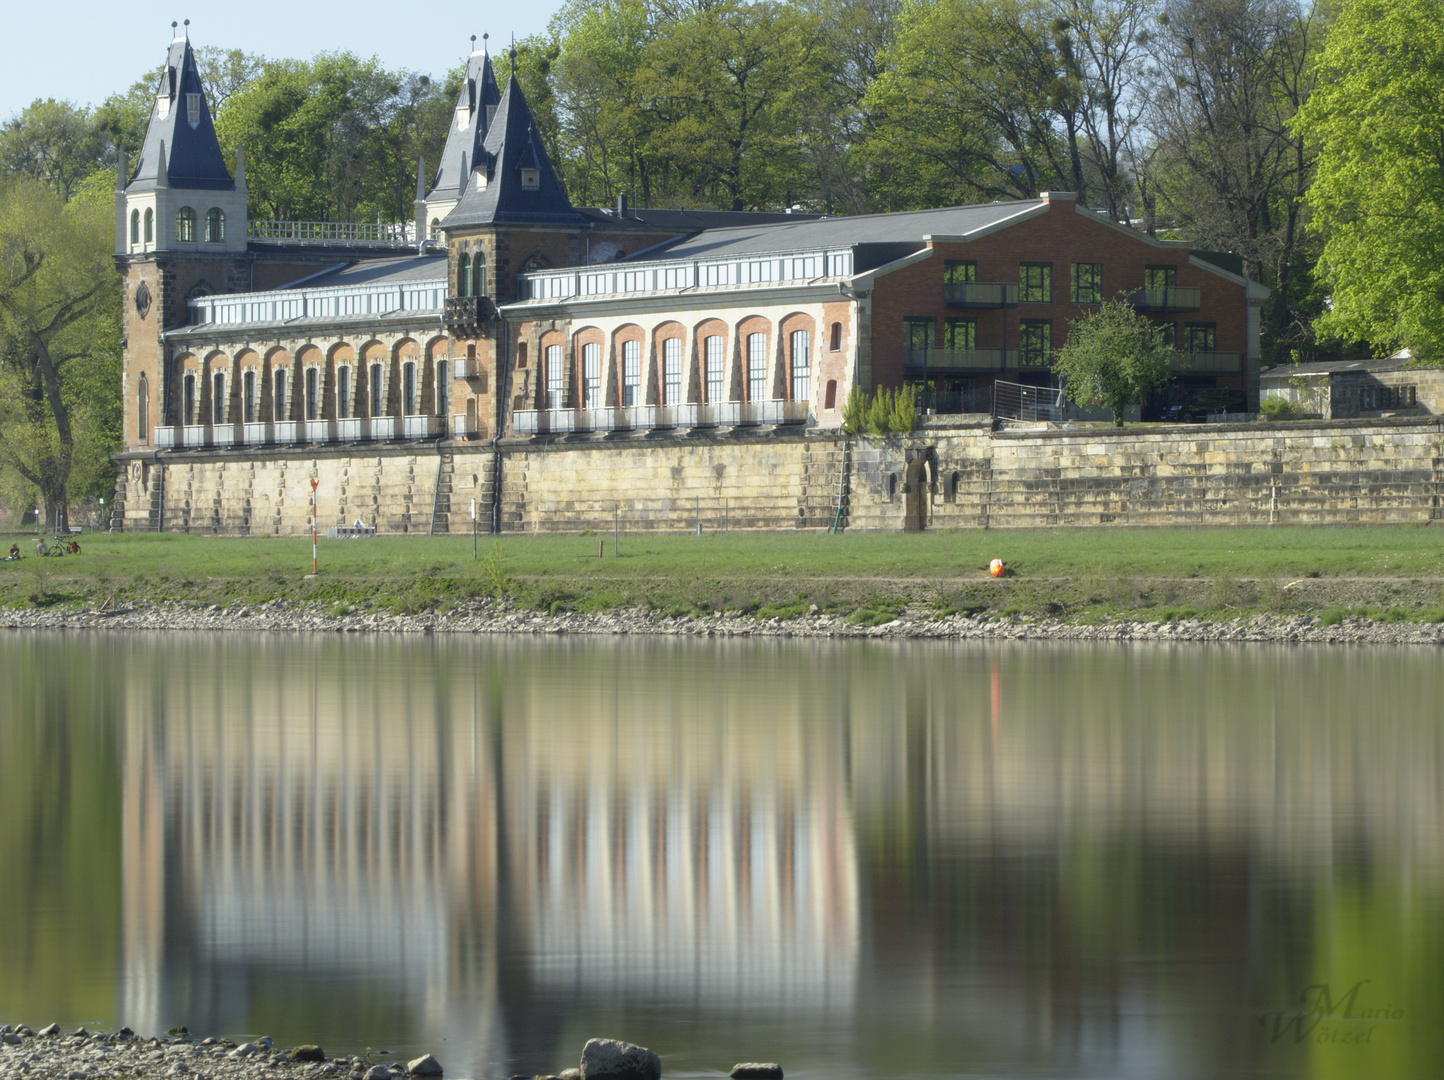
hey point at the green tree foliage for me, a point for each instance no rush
(335, 138)
(53, 142)
(1113, 358)
(1376, 123)
(59, 339)
(854, 411)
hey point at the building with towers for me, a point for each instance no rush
(505, 320)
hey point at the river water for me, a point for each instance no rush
(860, 860)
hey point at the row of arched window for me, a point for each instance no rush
(142, 227)
(708, 372)
(471, 274)
(373, 401)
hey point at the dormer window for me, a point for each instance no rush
(490, 112)
(193, 109)
(530, 179)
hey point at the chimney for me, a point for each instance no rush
(622, 204)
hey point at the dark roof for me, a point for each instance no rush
(192, 156)
(804, 234)
(512, 143)
(376, 272)
(690, 220)
(468, 126)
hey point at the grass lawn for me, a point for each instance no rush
(1079, 572)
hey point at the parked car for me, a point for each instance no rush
(1201, 403)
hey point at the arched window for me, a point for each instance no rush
(248, 391)
(443, 388)
(185, 224)
(435, 227)
(343, 393)
(408, 388)
(836, 342)
(713, 350)
(801, 365)
(756, 367)
(631, 372)
(555, 375)
(478, 274)
(215, 226)
(672, 371)
(135, 226)
(463, 276)
(830, 397)
(313, 394)
(142, 396)
(149, 225)
(280, 396)
(591, 375)
(377, 407)
(218, 398)
(189, 417)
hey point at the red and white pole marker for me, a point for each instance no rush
(314, 484)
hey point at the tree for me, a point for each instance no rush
(59, 336)
(53, 142)
(1113, 358)
(1375, 122)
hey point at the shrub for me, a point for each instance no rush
(854, 411)
(1276, 407)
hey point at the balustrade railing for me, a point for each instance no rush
(399, 234)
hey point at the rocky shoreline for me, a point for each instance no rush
(502, 617)
(53, 1054)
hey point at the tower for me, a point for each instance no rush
(476, 105)
(180, 232)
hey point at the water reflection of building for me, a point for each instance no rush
(366, 818)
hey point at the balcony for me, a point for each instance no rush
(223, 434)
(1207, 363)
(1166, 300)
(257, 434)
(660, 417)
(197, 434)
(980, 294)
(165, 438)
(319, 431)
(353, 429)
(385, 427)
(469, 311)
(423, 427)
(285, 432)
(940, 361)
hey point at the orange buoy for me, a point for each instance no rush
(996, 568)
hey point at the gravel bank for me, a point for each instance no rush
(82, 1055)
(501, 617)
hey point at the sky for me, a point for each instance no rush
(110, 46)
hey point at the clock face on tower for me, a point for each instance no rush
(142, 300)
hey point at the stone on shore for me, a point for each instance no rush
(570, 1074)
(757, 1070)
(426, 1065)
(612, 1059)
(49, 1030)
(309, 1052)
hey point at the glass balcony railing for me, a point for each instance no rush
(980, 294)
(941, 360)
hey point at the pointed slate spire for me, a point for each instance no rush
(521, 185)
(476, 102)
(180, 120)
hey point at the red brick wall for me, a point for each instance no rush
(1061, 236)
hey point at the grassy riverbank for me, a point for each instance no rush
(1384, 573)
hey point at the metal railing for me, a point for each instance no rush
(941, 359)
(1204, 362)
(980, 294)
(1170, 298)
(655, 417)
(469, 310)
(1014, 401)
(397, 234)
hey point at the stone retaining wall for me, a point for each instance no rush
(960, 477)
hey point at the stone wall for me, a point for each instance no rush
(960, 477)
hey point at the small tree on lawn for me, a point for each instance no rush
(1113, 358)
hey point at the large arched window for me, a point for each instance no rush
(189, 415)
(185, 224)
(149, 225)
(478, 274)
(443, 387)
(142, 406)
(215, 226)
(218, 398)
(672, 371)
(591, 375)
(408, 388)
(463, 276)
(631, 372)
(343, 393)
(554, 373)
(756, 367)
(280, 395)
(135, 226)
(248, 392)
(313, 394)
(713, 353)
(801, 343)
(377, 401)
